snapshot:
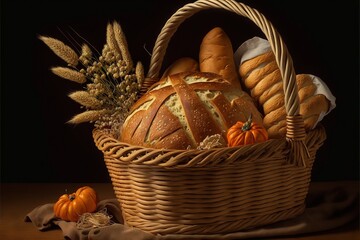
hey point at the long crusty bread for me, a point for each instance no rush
(262, 77)
(216, 55)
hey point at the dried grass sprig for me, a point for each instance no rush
(94, 220)
(87, 116)
(86, 55)
(123, 46)
(139, 72)
(69, 74)
(110, 39)
(61, 50)
(85, 99)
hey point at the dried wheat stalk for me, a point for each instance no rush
(61, 50)
(69, 74)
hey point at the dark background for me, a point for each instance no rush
(37, 145)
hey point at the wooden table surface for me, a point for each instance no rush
(17, 200)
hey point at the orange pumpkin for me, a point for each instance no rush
(246, 133)
(70, 207)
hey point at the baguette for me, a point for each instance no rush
(262, 77)
(216, 55)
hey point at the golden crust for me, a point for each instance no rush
(184, 64)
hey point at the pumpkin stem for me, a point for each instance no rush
(72, 197)
(247, 124)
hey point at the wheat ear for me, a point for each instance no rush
(69, 74)
(123, 46)
(61, 50)
(139, 72)
(87, 116)
(85, 50)
(85, 99)
(110, 39)
(86, 55)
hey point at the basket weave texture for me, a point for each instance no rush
(219, 190)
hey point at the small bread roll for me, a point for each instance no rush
(183, 64)
(217, 56)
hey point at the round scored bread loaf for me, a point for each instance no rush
(262, 77)
(181, 110)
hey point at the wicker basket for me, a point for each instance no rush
(220, 190)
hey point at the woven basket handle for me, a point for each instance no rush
(295, 124)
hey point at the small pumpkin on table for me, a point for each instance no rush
(70, 207)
